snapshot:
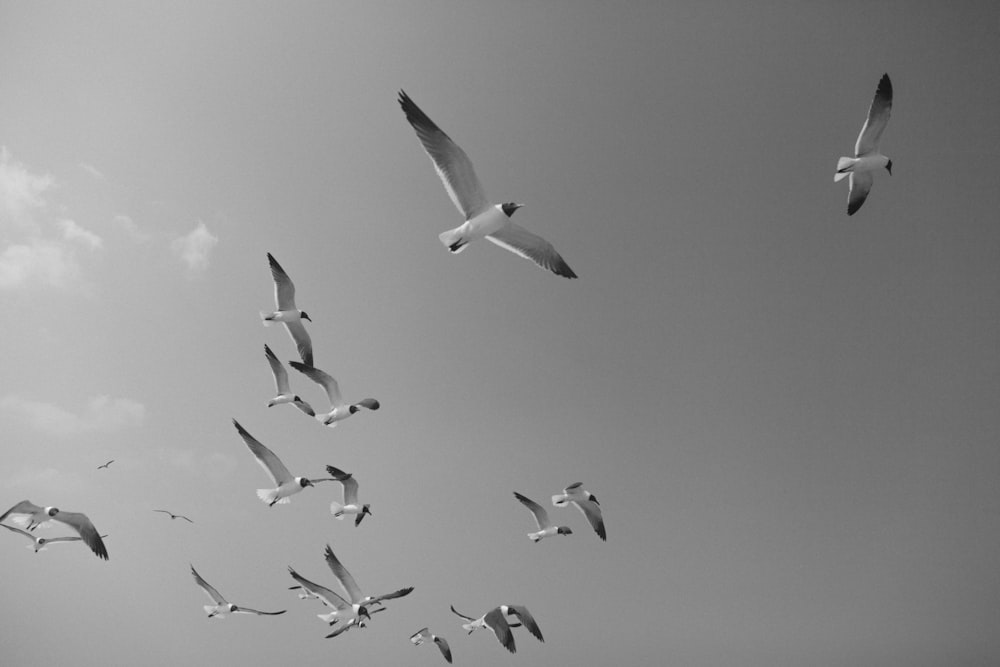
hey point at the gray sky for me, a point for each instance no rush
(790, 416)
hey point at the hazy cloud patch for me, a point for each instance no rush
(93, 171)
(74, 232)
(38, 261)
(20, 191)
(195, 248)
(101, 414)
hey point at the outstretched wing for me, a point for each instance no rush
(520, 241)
(443, 645)
(345, 578)
(209, 590)
(325, 595)
(82, 525)
(592, 511)
(541, 516)
(496, 622)
(878, 118)
(265, 457)
(323, 379)
(284, 288)
(23, 507)
(526, 619)
(453, 166)
(278, 371)
(402, 592)
(248, 610)
(24, 532)
(460, 614)
(861, 185)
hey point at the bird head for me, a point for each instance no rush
(232, 608)
(509, 207)
(52, 511)
(564, 530)
(365, 510)
(304, 315)
(363, 613)
(354, 409)
(888, 167)
(303, 482)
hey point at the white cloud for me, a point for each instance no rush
(132, 229)
(102, 414)
(45, 482)
(20, 191)
(74, 232)
(195, 247)
(38, 261)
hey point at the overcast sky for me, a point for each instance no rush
(790, 416)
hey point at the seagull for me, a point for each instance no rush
(350, 504)
(285, 484)
(36, 516)
(40, 543)
(586, 502)
(285, 394)
(339, 409)
(343, 611)
(482, 219)
(420, 636)
(175, 516)
(106, 464)
(221, 606)
(496, 620)
(867, 158)
(545, 527)
(358, 599)
(284, 297)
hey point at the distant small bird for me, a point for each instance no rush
(287, 313)
(105, 465)
(867, 157)
(222, 606)
(350, 504)
(40, 543)
(584, 501)
(496, 620)
(482, 219)
(285, 394)
(285, 484)
(339, 409)
(420, 636)
(175, 516)
(30, 515)
(545, 527)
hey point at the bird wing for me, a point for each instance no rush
(350, 490)
(342, 629)
(22, 532)
(460, 614)
(878, 118)
(209, 590)
(345, 578)
(81, 524)
(541, 516)
(278, 371)
(248, 610)
(23, 507)
(496, 622)
(526, 619)
(265, 457)
(592, 511)
(300, 337)
(453, 166)
(284, 288)
(338, 474)
(861, 184)
(304, 407)
(325, 595)
(520, 241)
(65, 538)
(323, 379)
(443, 645)
(402, 592)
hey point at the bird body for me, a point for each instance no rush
(584, 501)
(281, 385)
(287, 312)
(339, 408)
(285, 484)
(350, 504)
(498, 620)
(545, 526)
(867, 157)
(220, 607)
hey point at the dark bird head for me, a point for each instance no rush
(888, 167)
(303, 482)
(42, 541)
(592, 498)
(564, 530)
(354, 409)
(363, 613)
(297, 399)
(509, 207)
(365, 510)
(52, 511)
(304, 315)
(232, 608)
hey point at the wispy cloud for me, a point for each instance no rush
(20, 192)
(102, 414)
(38, 261)
(131, 228)
(74, 232)
(93, 171)
(195, 247)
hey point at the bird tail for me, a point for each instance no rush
(209, 609)
(265, 317)
(454, 240)
(328, 617)
(535, 537)
(268, 496)
(336, 507)
(844, 165)
(559, 500)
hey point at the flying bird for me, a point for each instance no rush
(105, 465)
(343, 611)
(420, 636)
(222, 606)
(497, 621)
(545, 527)
(867, 157)
(30, 515)
(285, 394)
(175, 516)
(350, 504)
(285, 484)
(339, 409)
(287, 313)
(482, 219)
(40, 543)
(358, 599)
(584, 501)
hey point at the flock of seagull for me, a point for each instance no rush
(354, 609)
